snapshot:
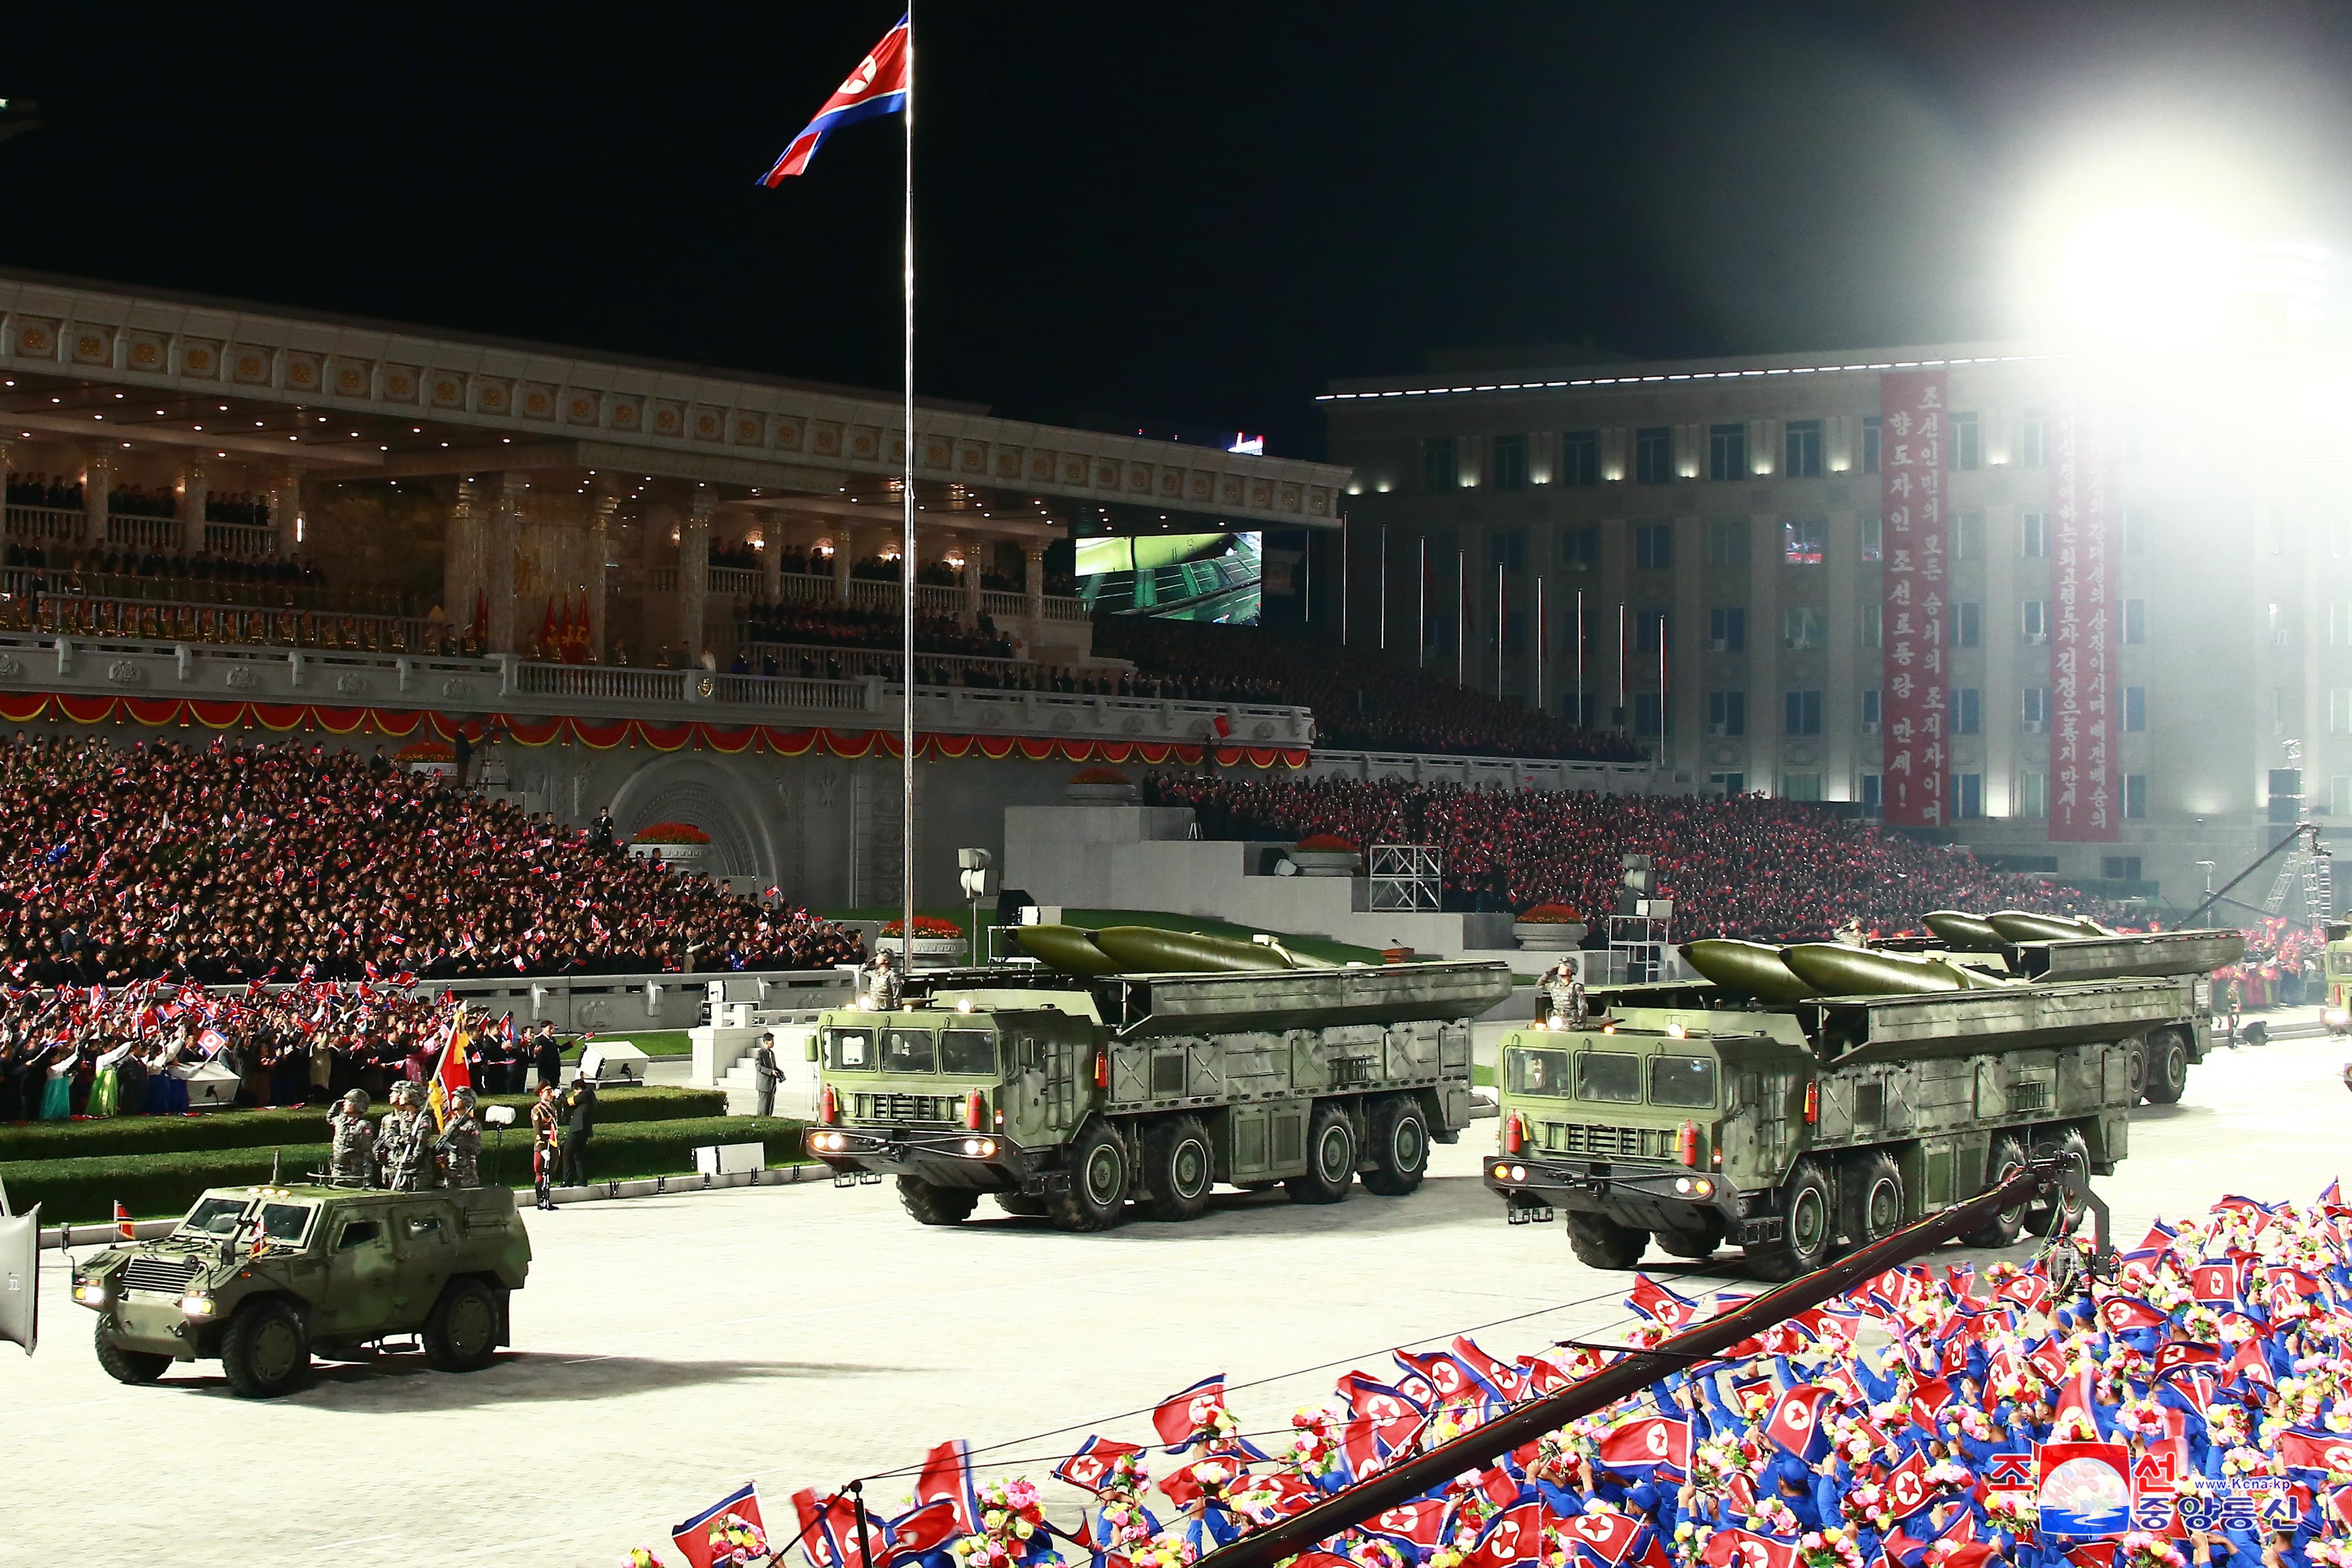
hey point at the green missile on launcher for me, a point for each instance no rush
(2021, 925)
(1835, 969)
(1963, 932)
(1147, 950)
(1067, 949)
(1752, 967)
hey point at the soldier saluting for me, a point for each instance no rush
(458, 1150)
(351, 1159)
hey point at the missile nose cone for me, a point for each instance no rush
(1067, 949)
(1752, 967)
(1837, 970)
(2022, 926)
(1145, 949)
(1963, 932)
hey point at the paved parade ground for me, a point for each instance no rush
(668, 1348)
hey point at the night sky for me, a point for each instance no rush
(1172, 215)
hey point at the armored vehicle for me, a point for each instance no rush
(265, 1277)
(1067, 1091)
(1754, 1110)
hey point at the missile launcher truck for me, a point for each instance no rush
(1806, 1100)
(1146, 1065)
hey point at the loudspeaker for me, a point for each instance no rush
(20, 1279)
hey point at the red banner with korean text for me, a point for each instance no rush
(1912, 569)
(2085, 781)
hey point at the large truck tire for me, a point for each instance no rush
(2050, 1142)
(132, 1366)
(1697, 1242)
(2167, 1069)
(462, 1334)
(1400, 1146)
(1331, 1157)
(2005, 1157)
(1599, 1243)
(934, 1205)
(1808, 1226)
(2136, 1064)
(1020, 1204)
(1871, 1201)
(1100, 1174)
(266, 1351)
(1178, 1168)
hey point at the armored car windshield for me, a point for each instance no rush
(214, 1215)
(849, 1049)
(287, 1222)
(1613, 1077)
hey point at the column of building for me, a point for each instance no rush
(2002, 705)
(694, 574)
(1032, 579)
(97, 485)
(504, 530)
(1767, 716)
(194, 492)
(1852, 666)
(604, 511)
(286, 510)
(1686, 663)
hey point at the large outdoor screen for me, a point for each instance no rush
(1177, 577)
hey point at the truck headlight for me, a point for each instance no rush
(980, 1148)
(2336, 1018)
(1694, 1186)
(827, 1143)
(90, 1294)
(196, 1306)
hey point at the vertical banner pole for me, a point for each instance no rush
(1343, 579)
(907, 552)
(1583, 719)
(1539, 642)
(1501, 609)
(1421, 633)
(1384, 588)
(1461, 617)
(1622, 705)
(1662, 685)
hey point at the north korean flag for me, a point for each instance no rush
(1652, 1442)
(946, 1477)
(2049, 1361)
(1496, 1378)
(1906, 1485)
(1928, 1397)
(1513, 1537)
(1396, 1417)
(1738, 1548)
(1092, 1464)
(1602, 1539)
(2091, 1554)
(921, 1530)
(2249, 1363)
(2214, 1284)
(2331, 1199)
(2339, 1502)
(1795, 1422)
(2304, 1449)
(1419, 1524)
(2025, 1290)
(2181, 1354)
(1660, 1305)
(1447, 1378)
(878, 85)
(1544, 1375)
(1180, 1419)
(828, 1529)
(693, 1537)
(2127, 1314)
(1279, 1496)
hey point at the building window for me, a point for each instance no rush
(1873, 534)
(1649, 628)
(1965, 447)
(1870, 444)
(1967, 536)
(1441, 464)
(1580, 457)
(1581, 711)
(2339, 796)
(1801, 785)
(1726, 452)
(1726, 629)
(1580, 549)
(2033, 795)
(1510, 463)
(1870, 795)
(2033, 536)
(1654, 547)
(2033, 438)
(1507, 548)
(1804, 450)
(2339, 710)
(1647, 708)
(2033, 709)
(2135, 620)
(1803, 539)
(2119, 868)
(1654, 455)
(1967, 796)
(1870, 710)
(1968, 711)
(1800, 713)
(1802, 627)
(1967, 624)
(2034, 621)
(2135, 710)
(1732, 783)
(1727, 713)
(2134, 796)
(1727, 542)
(1872, 618)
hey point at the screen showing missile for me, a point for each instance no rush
(1177, 577)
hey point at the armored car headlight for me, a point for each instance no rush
(91, 1295)
(980, 1148)
(1694, 1186)
(2336, 1018)
(196, 1306)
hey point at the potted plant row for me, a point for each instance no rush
(1326, 854)
(1555, 927)
(672, 844)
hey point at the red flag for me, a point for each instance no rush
(1421, 1523)
(1181, 1418)
(1093, 1462)
(726, 1534)
(123, 1228)
(828, 1530)
(1928, 1400)
(1795, 1422)
(946, 1477)
(1657, 1304)
(880, 85)
(1512, 1537)
(2306, 1451)
(1645, 1444)
(1499, 1378)
(2122, 1314)
(1906, 1485)
(1738, 1548)
(2215, 1284)
(1603, 1538)
(920, 1531)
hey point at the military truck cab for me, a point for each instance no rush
(263, 1278)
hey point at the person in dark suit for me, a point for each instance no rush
(547, 1055)
(578, 1127)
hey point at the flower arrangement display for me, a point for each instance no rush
(2014, 1512)
(2145, 1548)
(1328, 844)
(1314, 1451)
(1773, 1517)
(924, 925)
(1551, 915)
(1831, 1548)
(428, 751)
(1012, 1529)
(1867, 1505)
(670, 834)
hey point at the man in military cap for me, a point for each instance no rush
(458, 1150)
(402, 1141)
(351, 1159)
(880, 982)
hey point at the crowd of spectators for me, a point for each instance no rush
(1746, 866)
(108, 571)
(235, 864)
(58, 493)
(1361, 702)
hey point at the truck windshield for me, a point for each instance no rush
(906, 1050)
(1608, 1075)
(969, 1051)
(849, 1048)
(1538, 1072)
(1682, 1080)
(213, 1216)
(286, 1221)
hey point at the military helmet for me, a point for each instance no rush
(463, 1095)
(355, 1100)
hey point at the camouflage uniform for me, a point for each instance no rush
(350, 1159)
(460, 1143)
(404, 1142)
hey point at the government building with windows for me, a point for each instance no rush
(1692, 552)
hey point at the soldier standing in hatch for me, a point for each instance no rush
(351, 1159)
(402, 1139)
(881, 981)
(458, 1150)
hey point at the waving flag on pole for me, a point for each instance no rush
(878, 87)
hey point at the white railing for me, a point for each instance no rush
(735, 580)
(250, 540)
(804, 588)
(997, 604)
(603, 681)
(64, 524)
(662, 579)
(100, 615)
(945, 601)
(146, 533)
(872, 593)
(855, 663)
(785, 692)
(1058, 608)
(1514, 772)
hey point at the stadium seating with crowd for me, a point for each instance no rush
(1361, 702)
(233, 862)
(1746, 866)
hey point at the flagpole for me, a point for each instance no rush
(1421, 629)
(907, 552)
